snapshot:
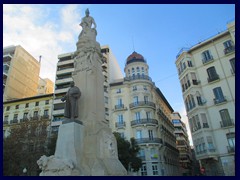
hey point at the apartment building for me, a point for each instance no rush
(139, 109)
(36, 108)
(183, 145)
(207, 76)
(20, 73)
(65, 67)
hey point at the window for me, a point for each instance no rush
(212, 74)
(118, 91)
(138, 71)
(5, 118)
(226, 120)
(47, 102)
(146, 99)
(154, 154)
(135, 100)
(25, 115)
(133, 72)
(150, 134)
(218, 95)
(228, 44)
(194, 78)
(141, 154)
(15, 117)
(17, 107)
(106, 99)
(134, 88)
(231, 141)
(210, 144)
(137, 116)
(37, 103)
(27, 105)
(190, 103)
(119, 101)
(35, 113)
(142, 70)
(155, 168)
(129, 74)
(144, 170)
(189, 63)
(8, 108)
(204, 120)
(206, 56)
(45, 112)
(148, 115)
(145, 88)
(120, 119)
(228, 47)
(232, 62)
(138, 134)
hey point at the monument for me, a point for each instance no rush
(85, 144)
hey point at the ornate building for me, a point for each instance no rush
(207, 76)
(138, 109)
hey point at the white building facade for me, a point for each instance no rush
(65, 67)
(207, 76)
(138, 109)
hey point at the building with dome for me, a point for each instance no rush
(137, 108)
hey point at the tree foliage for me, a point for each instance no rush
(127, 153)
(26, 143)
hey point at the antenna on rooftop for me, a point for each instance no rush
(40, 57)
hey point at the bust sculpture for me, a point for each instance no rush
(71, 98)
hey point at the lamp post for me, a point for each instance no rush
(25, 171)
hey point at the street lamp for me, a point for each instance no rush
(25, 171)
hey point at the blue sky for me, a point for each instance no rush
(156, 31)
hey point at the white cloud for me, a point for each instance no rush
(37, 29)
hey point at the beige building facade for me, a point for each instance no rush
(138, 109)
(207, 76)
(20, 73)
(45, 86)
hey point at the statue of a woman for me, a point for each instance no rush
(86, 24)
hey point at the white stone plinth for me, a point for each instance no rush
(70, 142)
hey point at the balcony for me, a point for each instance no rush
(227, 123)
(64, 90)
(24, 119)
(14, 121)
(69, 61)
(207, 60)
(195, 82)
(45, 117)
(149, 140)
(231, 149)
(65, 71)
(138, 77)
(218, 101)
(34, 118)
(63, 80)
(119, 107)
(144, 121)
(229, 50)
(120, 124)
(142, 104)
(205, 125)
(213, 78)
